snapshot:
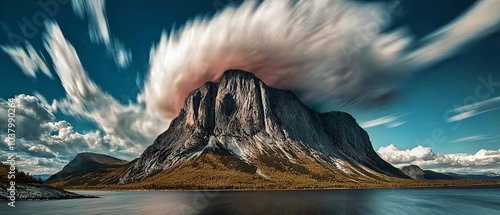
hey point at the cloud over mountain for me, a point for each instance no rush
(322, 50)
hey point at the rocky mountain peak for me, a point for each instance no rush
(257, 124)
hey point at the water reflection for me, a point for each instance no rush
(291, 202)
(478, 201)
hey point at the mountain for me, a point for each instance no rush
(88, 168)
(415, 172)
(242, 127)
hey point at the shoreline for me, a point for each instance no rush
(471, 186)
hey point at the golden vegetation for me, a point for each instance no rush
(214, 171)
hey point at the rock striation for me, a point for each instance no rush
(265, 128)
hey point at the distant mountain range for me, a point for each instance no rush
(240, 133)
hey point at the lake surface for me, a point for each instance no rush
(477, 201)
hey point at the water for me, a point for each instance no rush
(478, 201)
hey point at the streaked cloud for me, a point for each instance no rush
(95, 12)
(391, 121)
(474, 109)
(481, 20)
(395, 124)
(482, 161)
(476, 138)
(129, 127)
(338, 55)
(29, 60)
(124, 130)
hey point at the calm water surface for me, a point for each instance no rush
(476, 201)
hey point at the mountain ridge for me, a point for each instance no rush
(251, 121)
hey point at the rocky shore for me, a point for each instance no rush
(38, 192)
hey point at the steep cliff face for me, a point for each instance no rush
(266, 128)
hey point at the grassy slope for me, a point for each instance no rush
(210, 171)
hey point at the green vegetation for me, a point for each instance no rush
(21, 177)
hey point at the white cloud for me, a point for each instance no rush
(95, 12)
(482, 161)
(339, 54)
(395, 124)
(127, 126)
(39, 165)
(477, 138)
(480, 21)
(474, 109)
(120, 54)
(126, 129)
(40, 136)
(479, 104)
(395, 156)
(28, 59)
(390, 121)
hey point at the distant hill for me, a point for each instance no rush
(415, 172)
(88, 168)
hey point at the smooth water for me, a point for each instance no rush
(476, 201)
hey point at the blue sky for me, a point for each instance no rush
(443, 111)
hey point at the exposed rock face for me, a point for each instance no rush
(82, 165)
(38, 192)
(259, 125)
(415, 172)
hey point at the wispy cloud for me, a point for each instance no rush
(474, 109)
(127, 127)
(29, 60)
(477, 138)
(346, 59)
(395, 124)
(95, 12)
(46, 143)
(391, 121)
